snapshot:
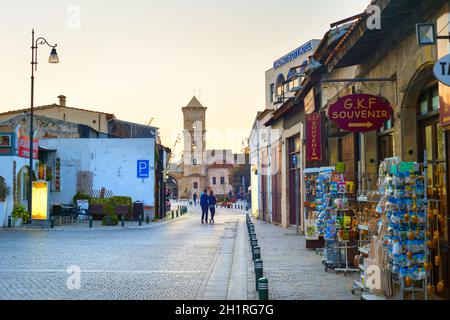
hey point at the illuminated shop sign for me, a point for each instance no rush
(293, 55)
(360, 112)
(40, 200)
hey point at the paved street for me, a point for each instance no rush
(179, 259)
(295, 273)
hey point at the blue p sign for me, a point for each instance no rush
(143, 169)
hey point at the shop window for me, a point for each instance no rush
(429, 101)
(280, 86)
(272, 92)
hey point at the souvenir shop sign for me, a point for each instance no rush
(360, 112)
(24, 147)
(314, 137)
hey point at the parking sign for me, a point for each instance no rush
(143, 169)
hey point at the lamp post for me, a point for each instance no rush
(52, 59)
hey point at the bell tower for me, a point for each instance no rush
(195, 169)
(194, 115)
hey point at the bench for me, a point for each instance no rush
(96, 211)
(122, 210)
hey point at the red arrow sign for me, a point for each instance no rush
(360, 112)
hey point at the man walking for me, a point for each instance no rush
(204, 203)
(195, 198)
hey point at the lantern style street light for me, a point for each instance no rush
(52, 59)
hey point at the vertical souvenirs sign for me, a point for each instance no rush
(314, 137)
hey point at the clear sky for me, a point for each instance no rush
(143, 59)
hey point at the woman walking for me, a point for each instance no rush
(212, 201)
(204, 204)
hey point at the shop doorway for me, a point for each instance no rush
(432, 139)
(22, 191)
(294, 179)
(276, 183)
(264, 185)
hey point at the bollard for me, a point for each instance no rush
(140, 220)
(9, 222)
(122, 221)
(52, 222)
(263, 285)
(177, 214)
(173, 215)
(259, 272)
(90, 221)
(254, 245)
(147, 220)
(256, 253)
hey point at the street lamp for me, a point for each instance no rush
(52, 59)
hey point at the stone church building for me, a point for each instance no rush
(202, 168)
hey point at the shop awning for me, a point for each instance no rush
(46, 149)
(362, 41)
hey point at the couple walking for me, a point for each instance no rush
(208, 203)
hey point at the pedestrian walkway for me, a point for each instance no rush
(295, 273)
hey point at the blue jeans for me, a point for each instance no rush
(205, 213)
(213, 212)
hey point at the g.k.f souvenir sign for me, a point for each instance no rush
(360, 112)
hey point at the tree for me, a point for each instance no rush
(235, 178)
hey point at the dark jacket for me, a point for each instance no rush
(204, 200)
(212, 201)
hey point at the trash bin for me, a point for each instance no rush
(138, 210)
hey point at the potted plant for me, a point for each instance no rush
(4, 193)
(110, 219)
(20, 216)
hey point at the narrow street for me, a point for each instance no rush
(174, 260)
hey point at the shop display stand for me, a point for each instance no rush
(340, 246)
(420, 202)
(364, 241)
(309, 190)
(347, 268)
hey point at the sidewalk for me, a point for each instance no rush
(97, 225)
(295, 273)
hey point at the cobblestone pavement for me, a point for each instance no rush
(172, 260)
(294, 272)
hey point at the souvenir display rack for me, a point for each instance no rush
(313, 240)
(368, 224)
(401, 247)
(335, 218)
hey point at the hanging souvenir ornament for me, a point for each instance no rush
(430, 289)
(437, 261)
(440, 287)
(408, 281)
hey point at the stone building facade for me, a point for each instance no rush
(202, 168)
